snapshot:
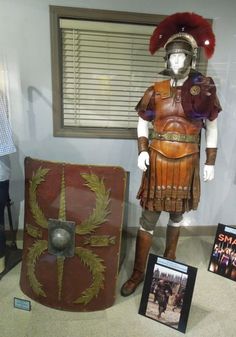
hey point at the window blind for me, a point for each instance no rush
(106, 67)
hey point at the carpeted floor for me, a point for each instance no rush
(213, 310)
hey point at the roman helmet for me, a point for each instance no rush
(183, 33)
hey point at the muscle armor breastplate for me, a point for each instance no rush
(175, 135)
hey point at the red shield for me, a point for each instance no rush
(93, 198)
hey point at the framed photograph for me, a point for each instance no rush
(167, 292)
(223, 256)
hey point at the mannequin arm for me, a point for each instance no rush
(211, 133)
(211, 148)
(142, 132)
(142, 129)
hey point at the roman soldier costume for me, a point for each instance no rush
(178, 113)
(172, 182)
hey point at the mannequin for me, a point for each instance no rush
(176, 63)
(6, 147)
(178, 108)
(4, 188)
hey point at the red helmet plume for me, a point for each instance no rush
(184, 23)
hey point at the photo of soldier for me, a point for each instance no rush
(166, 297)
(179, 300)
(162, 292)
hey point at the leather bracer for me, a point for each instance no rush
(211, 155)
(142, 144)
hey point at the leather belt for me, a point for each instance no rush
(175, 137)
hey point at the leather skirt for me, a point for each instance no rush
(171, 185)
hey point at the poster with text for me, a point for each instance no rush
(223, 256)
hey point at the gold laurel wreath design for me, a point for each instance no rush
(94, 263)
(34, 253)
(37, 213)
(100, 212)
(88, 226)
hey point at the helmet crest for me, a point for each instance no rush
(189, 24)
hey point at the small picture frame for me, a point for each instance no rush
(167, 292)
(223, 255)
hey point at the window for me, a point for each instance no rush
(101, 67)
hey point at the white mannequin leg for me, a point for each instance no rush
(175, 224)
(143, 229)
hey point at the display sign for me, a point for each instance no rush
(167, 292)
(22, 304)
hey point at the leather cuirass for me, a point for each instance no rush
(170, 119)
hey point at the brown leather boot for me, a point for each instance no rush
(172, 236)
(143, 245)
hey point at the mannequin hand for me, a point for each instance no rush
(208, 172)
(143, 160)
